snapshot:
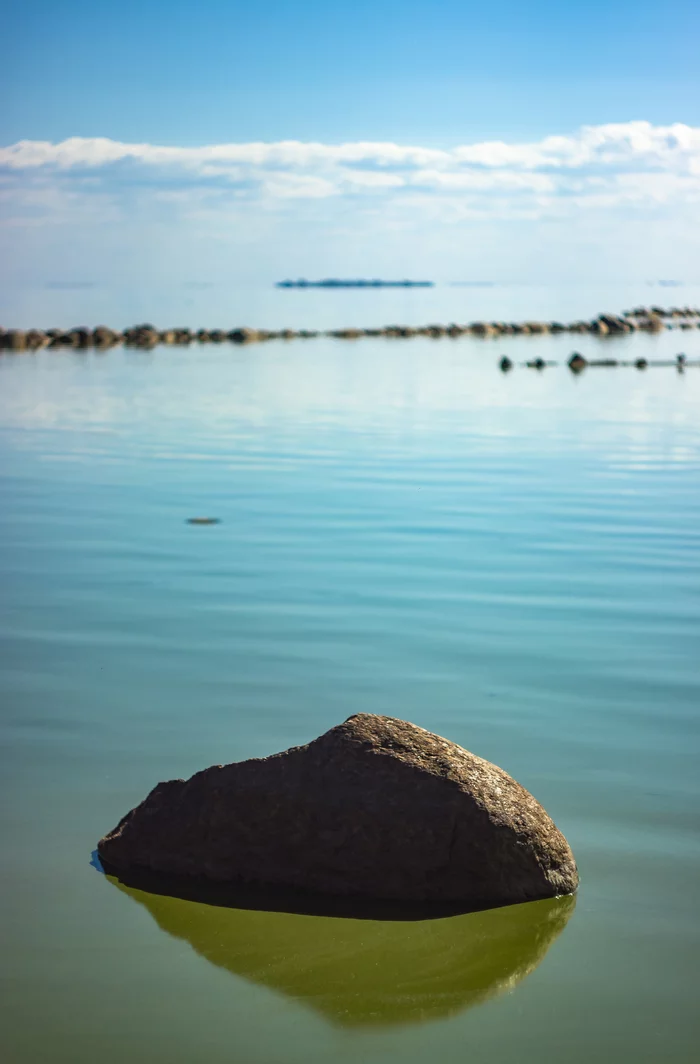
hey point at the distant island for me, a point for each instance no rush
(333, 282)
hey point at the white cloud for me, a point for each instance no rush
(632, 165)
(616, 197)
(669, 147)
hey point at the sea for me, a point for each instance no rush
(511, 560)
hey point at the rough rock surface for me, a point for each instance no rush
(375, 807)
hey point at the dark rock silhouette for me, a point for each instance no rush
(146, 336)
(15, 340)
(345, 334)
(375, 808)
(374, 972)
(243, 336)
(36, 338)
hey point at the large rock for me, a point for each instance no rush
(374, 808)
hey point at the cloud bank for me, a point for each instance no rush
(630, 190)
(620, 164)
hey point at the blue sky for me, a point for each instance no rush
(434, 77)
(217, 70)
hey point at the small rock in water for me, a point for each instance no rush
(577, 362)
(203, 520)
(375, 808)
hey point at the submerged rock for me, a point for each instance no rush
(374, 808)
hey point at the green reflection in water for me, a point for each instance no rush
(369, 972)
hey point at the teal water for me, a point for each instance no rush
(511, 561)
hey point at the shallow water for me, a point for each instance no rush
(511, 561)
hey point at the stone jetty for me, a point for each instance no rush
(641, 319)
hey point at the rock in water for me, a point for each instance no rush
(375, 808)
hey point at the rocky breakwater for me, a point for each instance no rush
(374, 808)
(146, 336)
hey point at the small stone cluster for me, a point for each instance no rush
(645, 319)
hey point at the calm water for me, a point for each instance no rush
(213, 304)
(509, 561)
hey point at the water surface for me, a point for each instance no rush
(511, 561)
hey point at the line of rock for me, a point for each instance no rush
(577, 363)
(644, 319)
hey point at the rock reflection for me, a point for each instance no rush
(361, 972)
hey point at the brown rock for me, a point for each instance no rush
(145, 336)
(63, 339)
(15, 340)
(36, 338)
(103, 336)
(481, 328)
(375, 808)
(81, 336)
(346, 334)
(243, 336)
(616, 323)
